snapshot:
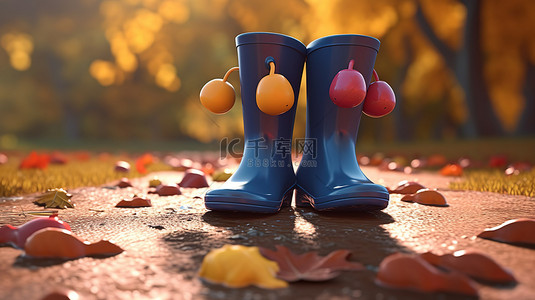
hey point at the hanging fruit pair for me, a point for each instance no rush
(274, 94)
(348, 89)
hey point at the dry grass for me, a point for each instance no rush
(74, 174)
(496, 181)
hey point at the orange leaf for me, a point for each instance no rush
(452, 170)
(403, 271)
(472, 263)
(519, 231)
(309, 266)
(406, 187)
(426, 197)
(143, 161)
(61, 243)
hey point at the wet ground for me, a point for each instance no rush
(165, 244)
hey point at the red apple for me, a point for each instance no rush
(380, 99)
(348, 87)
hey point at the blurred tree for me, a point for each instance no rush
(133, 69)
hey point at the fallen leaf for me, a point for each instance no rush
(194, 178)
(168, 190)
(471, 263)
(58, 198)
(143, 161)
(155, 182)
(519, 231)
(134, 202)
(62, 295)
(122, 166)
(452, 170)
(17, 236)
(61, 243)
(426, 197)
(124, 183)
(406, 187)
(309, 266)
(403, 271)
(35, 161)
(239, 266)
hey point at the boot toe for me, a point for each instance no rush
(247, 201)
(355, 197)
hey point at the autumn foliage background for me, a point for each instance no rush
(132, 69)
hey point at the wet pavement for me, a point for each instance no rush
(165, 244)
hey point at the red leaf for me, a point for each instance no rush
(309, 266)
(35, 161)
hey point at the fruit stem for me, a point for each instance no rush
(351, 63)
(271, 68)
(228, 73)
(375, 76)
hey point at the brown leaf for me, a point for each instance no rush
(134, 202)
(472, 263)
(403, 271)
(309, 266)
(56, 198)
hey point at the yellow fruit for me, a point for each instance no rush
(274, 95)
(218, 96)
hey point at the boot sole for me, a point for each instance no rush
(221, 203)
(350, 203)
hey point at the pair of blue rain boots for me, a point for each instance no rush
(328, 177)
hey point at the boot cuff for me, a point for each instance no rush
(344, 40)
(270, 38)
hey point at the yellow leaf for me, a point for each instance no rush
(240, 266)
(58, 198)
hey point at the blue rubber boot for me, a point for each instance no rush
(265, 179)
(329, 177)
